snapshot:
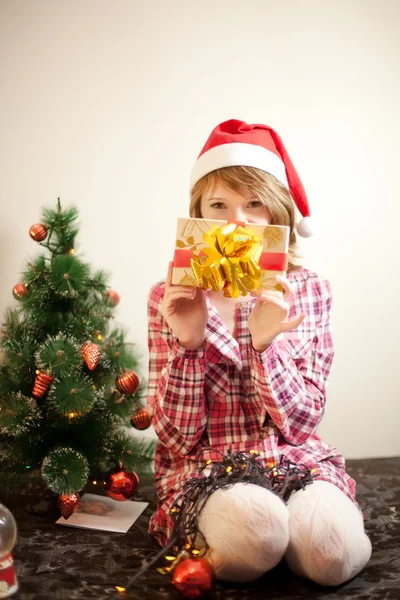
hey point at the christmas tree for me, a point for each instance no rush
(68, 386)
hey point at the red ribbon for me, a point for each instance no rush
(269, 261)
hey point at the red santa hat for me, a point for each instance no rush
(236, 143)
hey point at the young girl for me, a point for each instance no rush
(250, 374)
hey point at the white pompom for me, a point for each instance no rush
(305, 227)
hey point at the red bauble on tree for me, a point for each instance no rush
(127, 383)
(193, 577)
(42, 384)
(113, 296)
(38, 232)
(91, 354)
(68, 504)
(19, 290)
(121, 484)
(141, 419)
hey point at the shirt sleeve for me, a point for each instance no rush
(176, 397)
(291, 379)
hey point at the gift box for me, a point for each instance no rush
(233, 257)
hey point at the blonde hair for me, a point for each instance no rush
(263, 186)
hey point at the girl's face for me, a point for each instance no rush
(222, 203)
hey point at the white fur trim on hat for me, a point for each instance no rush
(238, 154)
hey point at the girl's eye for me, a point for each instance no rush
(255, 203)
(217, 205)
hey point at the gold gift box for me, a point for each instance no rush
(231, 256)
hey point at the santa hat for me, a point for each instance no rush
(236, 143)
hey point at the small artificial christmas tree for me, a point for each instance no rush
(67, 383)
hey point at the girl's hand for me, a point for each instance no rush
(269, 315)
(185, 310)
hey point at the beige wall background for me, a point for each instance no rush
(107, 104)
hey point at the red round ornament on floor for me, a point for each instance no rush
(193, 577)
(121, 484)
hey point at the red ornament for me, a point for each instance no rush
(68, 504)
(38, 232)
(91, 354)
(127, 383)
(193, 577)
(113, 296)
(19, 290)
(42, 384)
(121, 484)
(141, 419)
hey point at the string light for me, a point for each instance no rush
(94, 482)
(119, 589)
(99, 337)
(71, 415)
(189, 504)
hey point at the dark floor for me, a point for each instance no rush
(59, 562)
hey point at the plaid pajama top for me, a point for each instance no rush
(227, 395)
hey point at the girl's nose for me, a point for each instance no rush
(237, 214)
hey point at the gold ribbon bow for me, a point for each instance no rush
(230, 260)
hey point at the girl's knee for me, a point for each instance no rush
(327, 542)
(247, 531)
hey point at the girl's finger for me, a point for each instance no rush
(287, 286)
(179, 288)
(276, 300)
(294, 323)
(172, 294)
(265, 293)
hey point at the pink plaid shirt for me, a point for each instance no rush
(227, 395)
